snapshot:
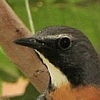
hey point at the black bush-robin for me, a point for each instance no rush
(72, 62)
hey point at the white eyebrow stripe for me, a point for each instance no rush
(58, 36)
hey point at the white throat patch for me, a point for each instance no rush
(57, 77)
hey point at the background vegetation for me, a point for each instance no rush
(81, 14)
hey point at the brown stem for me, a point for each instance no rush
(12, 28)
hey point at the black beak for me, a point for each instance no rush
(30, 42)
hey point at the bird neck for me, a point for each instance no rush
(57, 77)
(84, 70)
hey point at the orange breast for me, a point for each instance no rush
(80, 93)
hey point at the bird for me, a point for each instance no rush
(71, 60)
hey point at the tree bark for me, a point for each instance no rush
(12, 28)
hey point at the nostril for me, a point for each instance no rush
(32, 40)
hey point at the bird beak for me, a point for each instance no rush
(30, 42)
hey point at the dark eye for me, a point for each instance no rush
(64, 43)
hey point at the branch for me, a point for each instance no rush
(12, 28)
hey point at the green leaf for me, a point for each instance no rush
(75, 1)
(8, 71)
(30, 94)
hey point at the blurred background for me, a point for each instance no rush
(81, 14)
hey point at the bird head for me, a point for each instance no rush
(68, 55)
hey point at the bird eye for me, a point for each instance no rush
(64, 43)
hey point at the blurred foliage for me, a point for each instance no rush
(8, 71)
(81, 14)
(31, 94)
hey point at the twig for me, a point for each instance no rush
(29, 16)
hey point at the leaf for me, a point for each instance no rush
(30, 94)
(8, 71)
